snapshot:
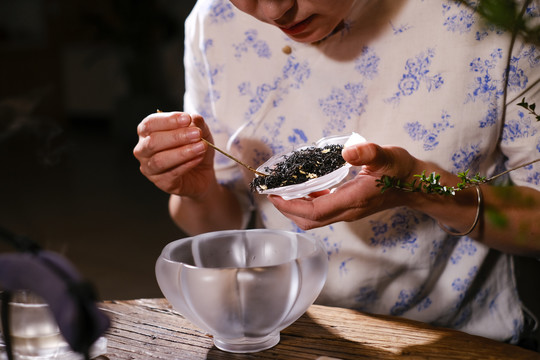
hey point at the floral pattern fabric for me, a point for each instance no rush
(428, 76)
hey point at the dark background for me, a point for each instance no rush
(76, 77)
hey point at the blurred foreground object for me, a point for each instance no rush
(52, 278)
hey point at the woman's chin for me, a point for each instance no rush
(308, 38)
(315, 36)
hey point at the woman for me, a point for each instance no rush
(424, 83)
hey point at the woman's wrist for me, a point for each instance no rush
(457, 214)
(217, 210)
(477, 216)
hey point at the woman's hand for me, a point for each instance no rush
(358, 197)
(172, 155)
(175, 159)
(361, 197)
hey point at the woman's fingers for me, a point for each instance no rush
(353, 200)
(322, 209)
(165, 160)
(368, 154)
(166, 140)
(378, 160)
(173, 180)
(163, 122)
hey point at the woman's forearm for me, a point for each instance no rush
(509, 218)
(219, 210)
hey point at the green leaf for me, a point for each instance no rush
(502, 13)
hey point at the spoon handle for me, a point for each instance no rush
(229, 156)
(233, 158)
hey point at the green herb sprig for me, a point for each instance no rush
(531, 108)
(430, 184)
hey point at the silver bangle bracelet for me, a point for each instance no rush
(476, 217)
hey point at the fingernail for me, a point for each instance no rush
(198, 148)
(184, 119)
(348, 151)
(142, 129)
(194, 134)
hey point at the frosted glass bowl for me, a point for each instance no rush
(243, 286)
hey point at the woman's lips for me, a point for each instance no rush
(298, 27)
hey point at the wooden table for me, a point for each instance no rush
(151, 329)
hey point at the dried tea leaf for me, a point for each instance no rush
(300, 166)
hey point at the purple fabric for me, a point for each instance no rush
(71, 300)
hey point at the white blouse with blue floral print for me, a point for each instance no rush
(428, 76)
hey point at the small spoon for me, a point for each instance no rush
(229, 155)
(233, 158)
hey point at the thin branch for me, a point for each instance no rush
(507, 171)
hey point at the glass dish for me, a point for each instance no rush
(325, 182)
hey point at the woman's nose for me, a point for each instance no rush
(275, 9)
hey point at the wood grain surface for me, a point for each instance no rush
(151, 329)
